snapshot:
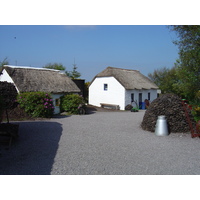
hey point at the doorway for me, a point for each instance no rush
(140, 100)
(140, 97)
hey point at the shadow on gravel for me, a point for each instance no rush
(34, 151)
(61, 116)
(90, 110)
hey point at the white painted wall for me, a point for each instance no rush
(153, 95)
(114, 95)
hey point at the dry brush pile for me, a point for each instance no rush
(169, 105)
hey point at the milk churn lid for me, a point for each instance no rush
(161, 117)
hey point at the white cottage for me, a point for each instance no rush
(29, 79)
(120, 87)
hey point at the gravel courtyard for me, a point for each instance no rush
(101, 143)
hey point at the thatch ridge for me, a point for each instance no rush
(29, 79)
(130, 79)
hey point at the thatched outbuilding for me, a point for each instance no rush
(121, 87)
(29, 79)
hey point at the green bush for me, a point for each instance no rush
(36, 104)
(196, 106)
(196, 113)
(70, 103)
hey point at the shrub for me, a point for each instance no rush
(70, 103)
(196, 107)
(196, 113)
(36, 104)
(128, 107)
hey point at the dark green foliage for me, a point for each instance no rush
(188, 65)
(73, 74)
(71, 102)
(196, 107)
(196, 113)
(36, 104)
(165, 79)
(184, 78)
(57, 66)
(189, 36)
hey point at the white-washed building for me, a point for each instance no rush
(121, 87)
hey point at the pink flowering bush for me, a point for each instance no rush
(36, 104)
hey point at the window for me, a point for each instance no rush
(105, 86)
(57, 102)
(149, 95)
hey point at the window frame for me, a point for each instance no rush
(105, 86)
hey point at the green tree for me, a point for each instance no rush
(165, 79)
(188, 65)
(57, 66)
(73, 74)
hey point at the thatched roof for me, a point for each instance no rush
(130, 79)
(28, 79)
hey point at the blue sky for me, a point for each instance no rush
(141, 47)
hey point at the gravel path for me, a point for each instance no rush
(99, 143)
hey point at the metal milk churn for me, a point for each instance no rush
(161, 126)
